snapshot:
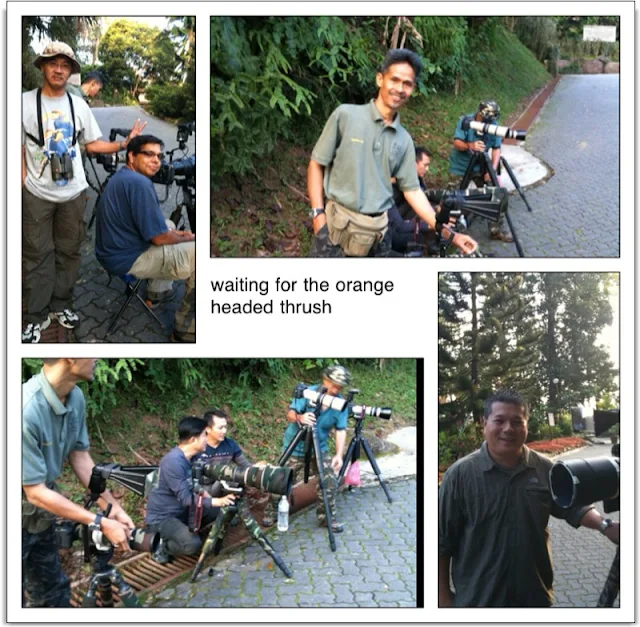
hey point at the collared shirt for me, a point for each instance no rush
(360, 154)
(51, 430)
(493, 524)
(459, 159)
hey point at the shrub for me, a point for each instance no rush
(171, 101)
(453, 446)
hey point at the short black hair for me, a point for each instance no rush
(420, 150)
(94, 76)
(213, 412)
(136, 144)
(190, 427)
(510, 397)
(401, 55)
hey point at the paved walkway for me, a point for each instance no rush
(576, 212)
(93, 299)
(374, 565)
(581, 557)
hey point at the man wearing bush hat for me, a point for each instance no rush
(54, 126)
(300, 414)
(494, 508)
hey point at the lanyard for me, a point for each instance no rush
(40, 140)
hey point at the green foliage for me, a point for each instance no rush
(457, 444)
(171, 101)
(538, 33)
(538, 333)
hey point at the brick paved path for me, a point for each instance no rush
(374, 565)
(576, 212)
(581, 557)
(95, 302)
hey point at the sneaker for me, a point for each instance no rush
(336, 527)
(66, 318)
(31, 335)
(161, 555)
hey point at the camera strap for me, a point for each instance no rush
(40, 140)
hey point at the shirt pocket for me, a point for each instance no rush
(539, 503)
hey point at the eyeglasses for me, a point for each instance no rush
(151, 154)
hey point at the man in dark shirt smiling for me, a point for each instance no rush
(494, 507)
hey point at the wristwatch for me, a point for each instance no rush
(314, 213)
(604, 525)
(95, 525)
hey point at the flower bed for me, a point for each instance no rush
(556, 446)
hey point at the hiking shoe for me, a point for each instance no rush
(500, 235)
(161, 555)
(66, 318)
(336, 527)
(268, 521)
(31, 335)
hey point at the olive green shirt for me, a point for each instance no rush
(360, 154)
(493, 524)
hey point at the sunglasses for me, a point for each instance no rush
(150, 154)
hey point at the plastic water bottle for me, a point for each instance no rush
(283, 514)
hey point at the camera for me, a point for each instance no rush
(139, 540)
(273, 479)
(184, 168)
(359, 412)
(111, 161)
(185, 130)
(481, 128)
(316, 397)
(485, 202)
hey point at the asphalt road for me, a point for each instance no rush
(96, 301)
(576, 212)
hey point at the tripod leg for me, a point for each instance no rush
(255, 532)
(514, 180)
(347, 459)
(323, 489)
(125, 591)
(90, 599)
(496, 183)
(612, 585)
(213, 543)
(376, 469)
(292, 445)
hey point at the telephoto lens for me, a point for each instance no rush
(360, 411)
(143, 541)
(585, 481)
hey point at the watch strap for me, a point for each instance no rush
(604, 525)
(95, 525)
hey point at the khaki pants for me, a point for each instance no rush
(169, 263)
(52, 234)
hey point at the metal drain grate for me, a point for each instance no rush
(145, 575)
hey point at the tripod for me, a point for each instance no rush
(99, 190)
(213, 543)
(353, 455)
(311, 447)
(482, 159)
(103, 578)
